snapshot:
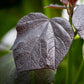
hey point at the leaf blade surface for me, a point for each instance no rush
(78, 20)
(41, 43)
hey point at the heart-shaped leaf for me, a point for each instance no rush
(78, 20)
(41, 42)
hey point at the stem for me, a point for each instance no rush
(71, 10)
(70, 20)
(69, 70)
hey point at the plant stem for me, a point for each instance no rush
(69, 70)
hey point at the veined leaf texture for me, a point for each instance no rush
(41, 43)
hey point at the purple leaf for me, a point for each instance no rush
(56, 6)
(41, 43)
(78, 20)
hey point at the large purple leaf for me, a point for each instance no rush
(78, 20)
(41, 43)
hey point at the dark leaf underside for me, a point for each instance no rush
(41, 43)
(56, 6)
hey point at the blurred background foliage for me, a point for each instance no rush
(71, 69)
(12, 10)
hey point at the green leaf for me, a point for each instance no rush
(74, 60)
(60, 76)
(80, 74)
